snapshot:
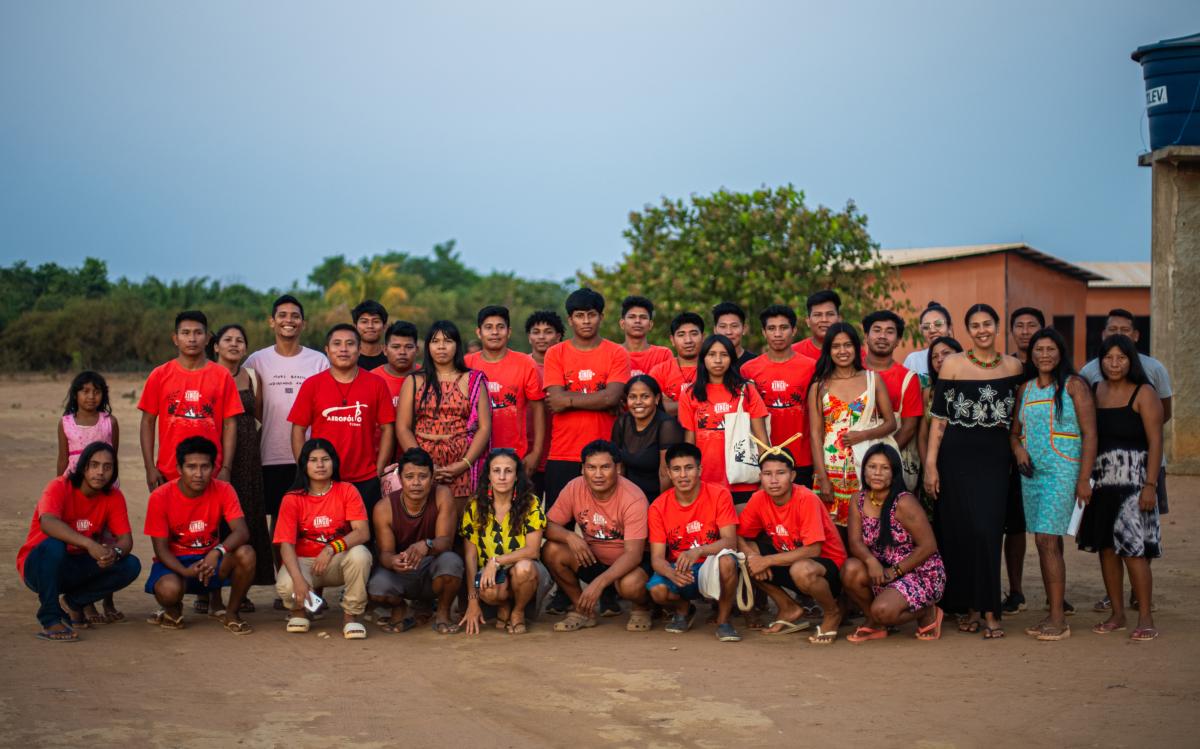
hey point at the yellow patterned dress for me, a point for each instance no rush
(839, 416)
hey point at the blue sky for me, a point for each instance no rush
(245, 142)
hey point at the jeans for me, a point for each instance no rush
(51, 572)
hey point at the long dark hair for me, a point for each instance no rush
(85, 457)
(895, 489)
(450, 330)
(734, 381)
(211, 348)
(87, 377)
(523, 496)
(649, 382)
(300, 483)
(1136, 373)
(945, 341)
(1064, 371)
(825, 365)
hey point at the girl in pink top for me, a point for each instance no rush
(87, 418)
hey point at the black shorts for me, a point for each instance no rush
(741, 498)
(781, 577)
(558, 474)
(804, 476)
(277, 480)
(1014, 512)
(596, 569)
(371, 492)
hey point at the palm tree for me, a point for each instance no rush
(372, 279)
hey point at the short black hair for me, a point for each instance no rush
(986, 309)
(415, 456)
(824, 296)
(545, 317)
(85, 457)
(633, 300)
(369, 307)
(777, 310)
(340, 327)
(582, 300)
(779, 456)
(1122, 313)
(1031, 311)
(493, 310)
(286, 299)
(687, 318)
(883, 315)
(728, 308)
(595, 447)
(401, 329)
(192, 315)
(196, 445)
(682, 450)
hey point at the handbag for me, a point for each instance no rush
(870, 419)
(741, 457)
(708, 580)
(910, 458)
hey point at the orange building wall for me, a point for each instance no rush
(1135, 299)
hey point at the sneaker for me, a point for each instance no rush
(559, 604)
(681, 623)
(1013, 603)
(609, 604)
(726, 633)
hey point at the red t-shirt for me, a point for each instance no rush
(706, 420)
(682, 528)
(803, 521)
(188, 403)
(191, 525)
(672, 378)
(512, 382)
(912, 403)
(309, 522)
(541, 371)
(347, 414)
(87, 516)
(784, 387)
(393, 383)
(577, 371)
(641, 362)
(809, 348)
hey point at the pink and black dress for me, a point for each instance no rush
(920, 587)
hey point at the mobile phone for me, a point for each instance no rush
(312, 602)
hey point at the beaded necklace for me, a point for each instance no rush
(982, 364)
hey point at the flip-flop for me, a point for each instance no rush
(1054, 634)
(993, 633)
(354, 631)
(933, 630)
(823, 637)
(1143, 634)
(785, 627)
(237, 626)
(162, 619)
(865, 633)
(394, 627)
(445, 628)
(113, 616)
(62, 635)
(969, 626)
(1107, 628)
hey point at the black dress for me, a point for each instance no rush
(640, 449)
(973, 468)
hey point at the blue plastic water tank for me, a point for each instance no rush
(1171, 69)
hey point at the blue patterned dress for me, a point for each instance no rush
(1054, 445)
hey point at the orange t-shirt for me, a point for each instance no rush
(707, 421)
(393, 383)
(802, 521)
(641, 362)
(784, 387)
(577, 371)
(188, 403)
(86, 516)
(512, 382)
(191, 525)
(682, 528)
(310, 522)
(672, 378)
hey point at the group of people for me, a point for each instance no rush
(821, 478)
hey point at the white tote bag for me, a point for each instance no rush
(869, 420)
(741, 455)
(708, 581)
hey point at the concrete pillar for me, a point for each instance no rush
(1175, 294)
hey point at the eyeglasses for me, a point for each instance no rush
(935, 325)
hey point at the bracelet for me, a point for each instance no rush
(338, 545)
(896, 571)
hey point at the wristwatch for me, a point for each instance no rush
(221, 548)
(429, 544)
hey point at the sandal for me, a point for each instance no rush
(247, 606)
(933, 630)
(93, 616)
(298, 624)
(66, 634)
(993, 633)
(1143, 634)
(201, 605)
(573, 622)
(517, 628)
(1107, 628)
(165, 620)
(1052, 633)
(639, 621)
(445, 628)
(237, 626)
(112, 616)
(865, 633)
(823, 637)
(394, 627)
(968, 625)
(354, 631)
(785, 627)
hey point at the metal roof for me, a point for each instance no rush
(1120, 275)
(922, 255)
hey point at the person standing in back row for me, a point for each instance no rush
(188, 396)
(515, 388)
(824, 309)
(675, 375)
(637, 320)
(729, 320)
(370, 319)
(585, 379)
(544, 330)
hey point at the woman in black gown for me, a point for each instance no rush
(643, 432)
(967, 470)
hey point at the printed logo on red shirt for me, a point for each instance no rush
(83, 525)
(722, 408)
(188, 405)
(694, 526)
(332, 413)
(197, 526)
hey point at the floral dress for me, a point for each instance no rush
(920, 587)
(839, 457)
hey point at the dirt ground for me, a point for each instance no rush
(133, 685)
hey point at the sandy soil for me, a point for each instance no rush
(134, 685)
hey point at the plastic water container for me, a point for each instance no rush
(1171, 69)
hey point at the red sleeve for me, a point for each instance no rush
(53, 498)
(750, 521)
(353, 502)
(553, 375)
(533, 384)
(751, 372)
(288, 521)
(156, 515)
(726, 512)
(687, 411)
(618, 365)
(383, 403)
(812, 526)
(914, 404)
(302, 409)
(754, 404)
(657, 530)
(231, 402)
(117, 518)
(151, 393)
(231, 507)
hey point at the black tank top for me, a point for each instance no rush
(1121, 427)
(409, 528)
